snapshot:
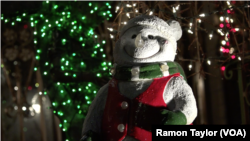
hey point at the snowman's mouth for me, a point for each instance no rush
(142, 54)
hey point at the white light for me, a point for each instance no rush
(134, 4)
(231, 50)
(227, 18)
(237, 29)
(136, 10)
(110, 29)
(174, 10)
(16, 88)
(117, 8)
(111, 36)
(190, 24)
(202, 15)
(208, 62)
(231, 20)
(221, 49)
(221, 19)
(177, 7)
(24, 108)
(190, 67)
(124, 23)
(40, 93)
(150, 13)
(128, 15)
(190, 31)
(210, 36)
(228, 2)
(36, 107)
(239, 58)
(128, 5)
(223, 42)
(15, 107)
(199, 20)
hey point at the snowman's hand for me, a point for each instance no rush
(173, 118)
(90, 136)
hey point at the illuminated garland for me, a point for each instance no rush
(70, 100)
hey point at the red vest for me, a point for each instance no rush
(125, 117)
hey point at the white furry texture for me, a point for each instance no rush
(162, 48)
(128, 52)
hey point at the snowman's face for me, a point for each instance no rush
(142, 44)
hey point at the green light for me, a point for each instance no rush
(62, 67)
(103, 42)
(80, 39)
(66, 74)
(35, 68)
(86, 97)
(103, 55)
(35, 33)
(44, 27)
(110, 15)
(72, 30)
(95, 52)
(80, 27)
(42, 30)
(68, 101)
(101, 50)
(89, 85)
(47, 1)
(92, 11)
(94, 92)
(41, 15)
(73, 90)
(109, 7)
(46, 63)
(55, 6)
(1, 18)
(45, 73)
(96, 8)
(74, 54)
(74, 75)
(83, 44)
(79, 89)
(80, 111)
(43, 34)
(61, 91)
(74, 27)
(63, 59)
(61, 19)
(38, 51)
(98, 45)
(107, 4)
(90, 4)
(36, 21)
(86, 87)
(49, 25)
(82, 63)
(31, 18)
(12, 23)
(83, 17)
(104, 14)
(63, 13)
(88, 102)
(78, 106)
(60, 125)
(110, 64)
(54, 104)
(108, 12)
(56, 22)
(24, 14)
(72, 23)
(68, 13)
(64, 103)
(95, 36)
(45, 93)
(98, 75)
(54, 112)
(58, 83)
(63, 40)
(37, 57)
(6, 20)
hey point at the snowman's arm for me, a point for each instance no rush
(93, 119)
(181, 96)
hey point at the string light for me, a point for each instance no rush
(208, 62)
(127, 14)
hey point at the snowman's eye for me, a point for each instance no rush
(133, 36)
(150, 36)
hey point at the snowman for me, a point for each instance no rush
(147, 87)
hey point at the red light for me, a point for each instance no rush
(227, 43)
(223, 68)
(228, 11)
(29, 88)
(228, 25)
(221, 25)
(233, 30)
(233, 56)
(25, 26)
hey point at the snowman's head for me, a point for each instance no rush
(147, 39)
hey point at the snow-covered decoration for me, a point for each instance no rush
(147, 87)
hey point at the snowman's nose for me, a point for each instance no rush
(139, 42)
